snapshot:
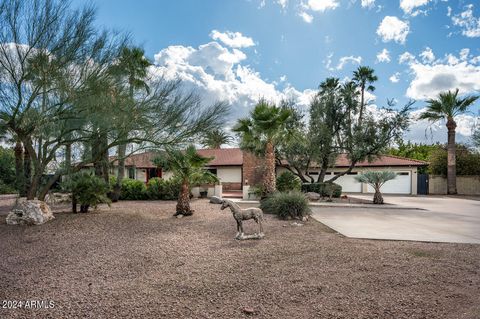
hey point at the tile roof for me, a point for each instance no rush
(221, 157)
(234, 157)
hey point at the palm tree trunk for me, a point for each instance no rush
(19, 175)
(183, 202)
(451, 148)
(362, 104)
(122, 149)
(377, 197)
(27, 173)
(269, 177)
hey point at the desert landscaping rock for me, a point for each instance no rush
(313, 196)
(216, 200)
(29, 212)
(134, 260)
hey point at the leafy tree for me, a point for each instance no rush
(188, 166)
(466, 161)
(266, 127)
(7, 169)
(446, 107)
(415, 151)
(376, 179)
(131, 69)
(216, 138)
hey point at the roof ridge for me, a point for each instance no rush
(406, 158)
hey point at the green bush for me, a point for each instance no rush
(133, 189)
(87, 189)
(287, 181)
(165, 189)
(292, 204)
(6, 189)
(324, 189)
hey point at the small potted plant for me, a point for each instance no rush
(203, 193)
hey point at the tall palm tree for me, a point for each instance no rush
(265, 127)
(447, 106)
(216, 138)
(132, 68)
(188, 166)
(363, 77)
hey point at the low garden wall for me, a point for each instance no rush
(466, 185)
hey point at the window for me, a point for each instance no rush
(403, 173)
(212, 170)
(312, 173)
(131, 172)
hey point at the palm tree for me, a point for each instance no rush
(188, 166)
(376, 179)
(131, 67)
(363, 77)
(265, 127)
(447, 106)
(216, 138)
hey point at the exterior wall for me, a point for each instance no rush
(252, 169)
(466, 185)
(364, 187)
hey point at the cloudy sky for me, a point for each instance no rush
(241, 50)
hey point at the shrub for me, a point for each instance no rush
(324, 189)
(87, 190)
(292, 204)
(287, 181)
(6, 189)
(165, 189)
(133, 189)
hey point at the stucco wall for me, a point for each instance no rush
(364, 188)
(466, 185)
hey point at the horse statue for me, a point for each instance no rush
(245, 214)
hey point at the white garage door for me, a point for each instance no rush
(400, 185)
(348, 183)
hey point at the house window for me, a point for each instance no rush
(403, 173)
(131, 172)
(312, 173)
(212, 170)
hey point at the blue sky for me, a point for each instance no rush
(285, 48)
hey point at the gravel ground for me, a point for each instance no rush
(134, 260)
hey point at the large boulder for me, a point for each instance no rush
(216, 200)
(313, 196)
(29, 212)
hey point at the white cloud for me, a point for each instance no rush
(217, 74)
(409, 6)
(427, 55)
(308, 18)
(423, 131)
(383, 56)
(468, 22)
(348, 59)
(395, 78)
(232, 39)
(368, 4)
(283, 4)
(406, 57)
(464, 53)
(393, 29)
(321, 5)
(430, 80)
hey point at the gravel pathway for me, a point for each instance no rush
(134, 260)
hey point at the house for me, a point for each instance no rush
(238, 170)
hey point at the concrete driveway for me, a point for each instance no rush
(438, 219)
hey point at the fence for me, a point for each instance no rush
(466, 185)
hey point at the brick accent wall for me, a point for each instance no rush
(253, 168)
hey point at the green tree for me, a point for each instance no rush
(130, 69)
(7, 170)
(376, 179)
(466, 161)
(446, 107)
(188, 166)
(216, 138)
(363, 77)
(266, 127)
